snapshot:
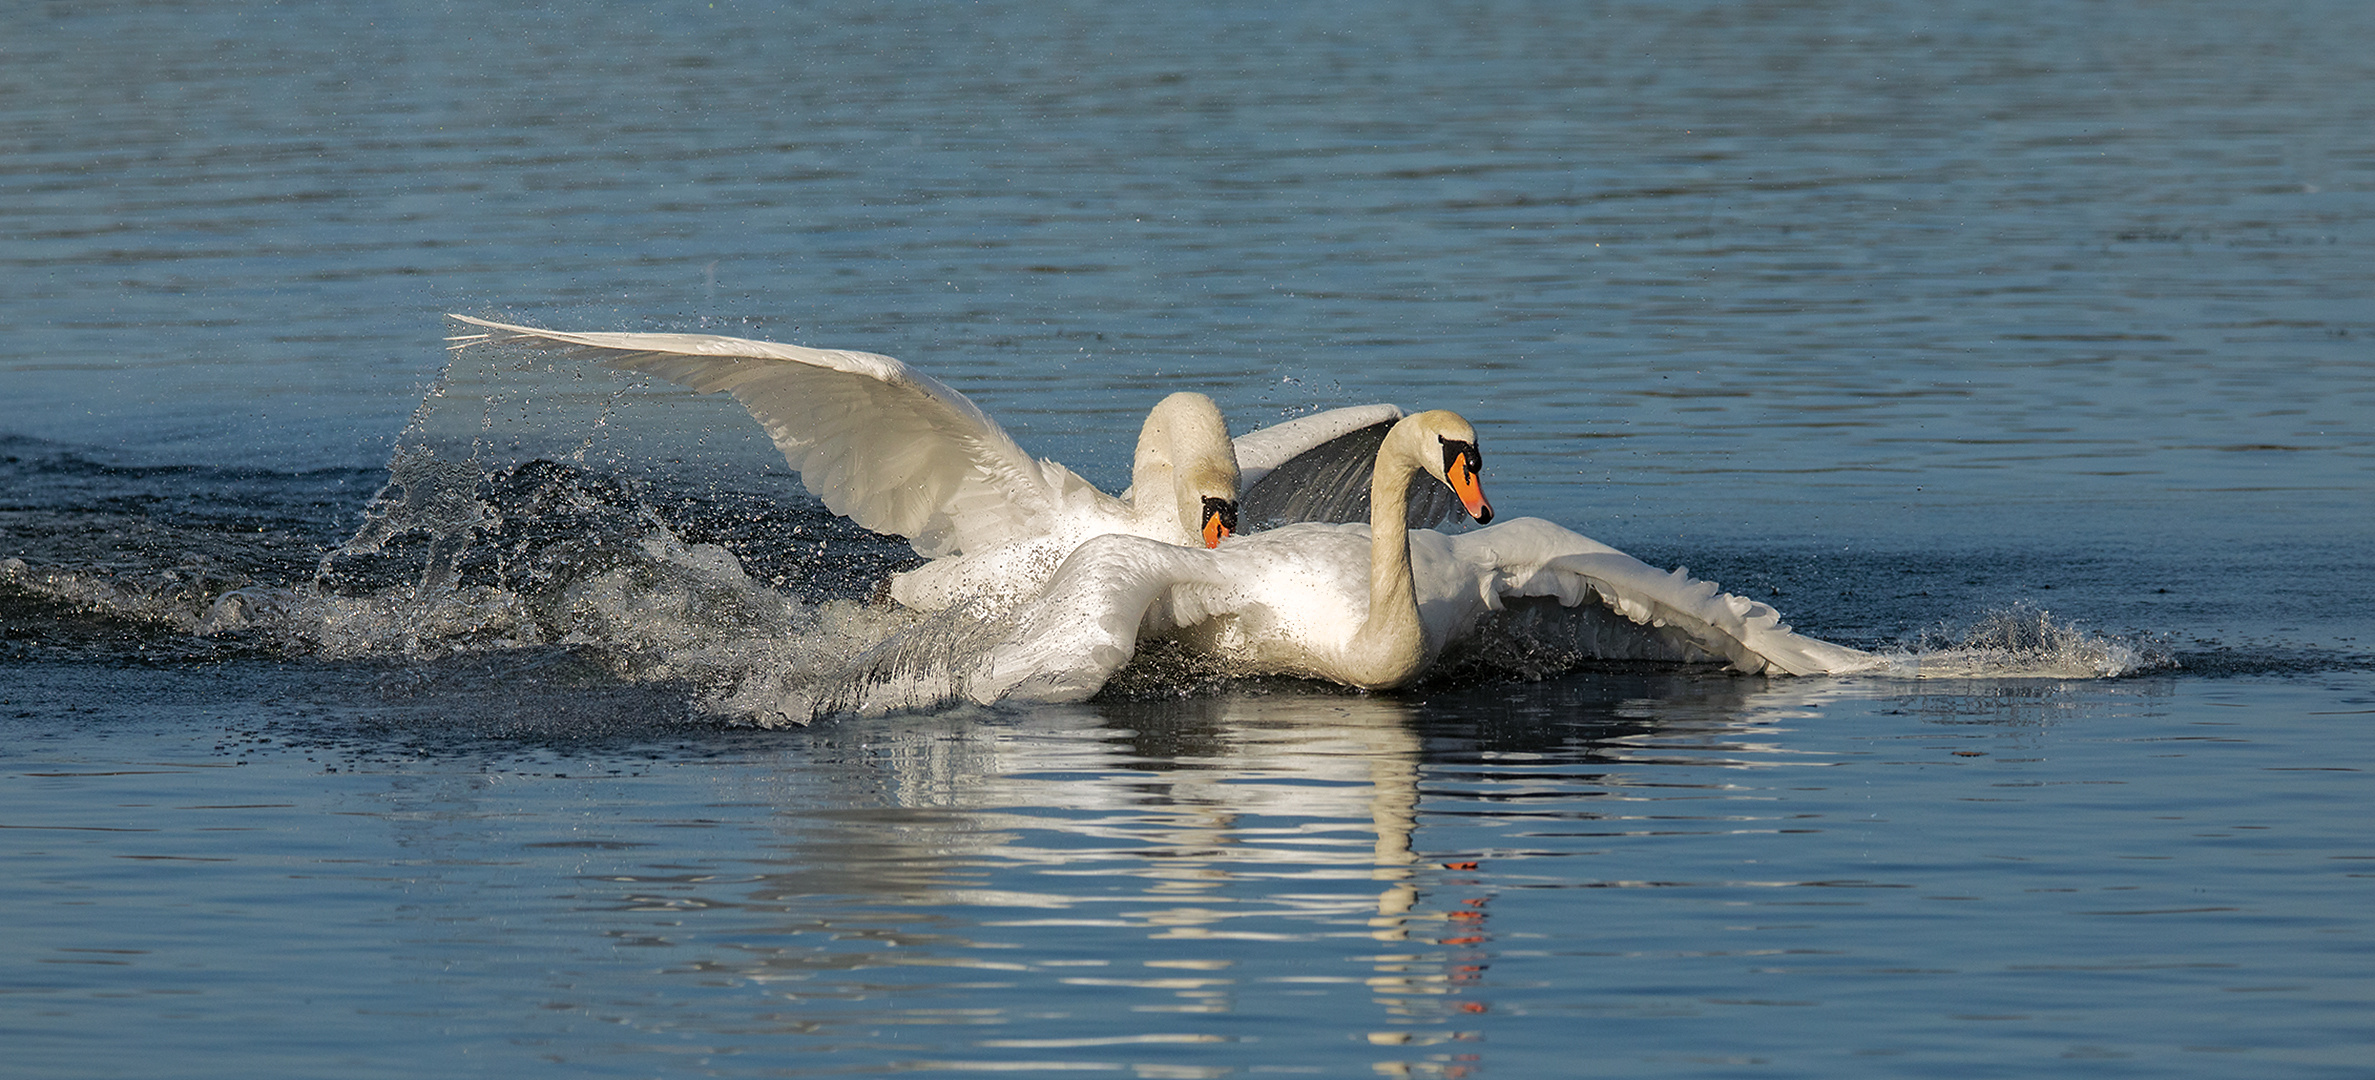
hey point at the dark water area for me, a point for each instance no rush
(2036, 331)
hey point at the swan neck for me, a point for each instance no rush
(1390, 646)
(1183, 456)
(1150, 468)
(1389, 526)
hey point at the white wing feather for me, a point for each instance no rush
(1533, 557)
(1277, 598)
(889, 447)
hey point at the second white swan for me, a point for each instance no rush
(1371, 606)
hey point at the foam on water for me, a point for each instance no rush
(2023, 642)
(626, 589)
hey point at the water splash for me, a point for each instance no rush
(549, 554)
(2020, 642)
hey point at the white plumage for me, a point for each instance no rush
(900, 452)
(1371, 605)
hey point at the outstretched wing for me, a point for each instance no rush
(887, 446)
(1694, 619)
(1317, 468)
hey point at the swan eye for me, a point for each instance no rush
(1454, 450)
(1225, 509)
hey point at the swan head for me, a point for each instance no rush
(1185, 449)
(1218, 515)
(1447, 451)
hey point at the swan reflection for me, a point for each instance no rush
(1019, 890)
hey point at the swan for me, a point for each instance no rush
(1370, 606)
(899, 452)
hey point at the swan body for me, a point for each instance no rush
(1183, 492)
(1370, 606)
(900, 452)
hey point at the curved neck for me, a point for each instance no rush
(1183, 454)
(1389, 536)
(1153, 485)
(1390, 646)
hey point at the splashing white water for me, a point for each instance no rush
(2021, 642)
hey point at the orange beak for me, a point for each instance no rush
(1220, 520)
(1470, 490)
(1215, 530)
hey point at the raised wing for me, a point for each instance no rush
(1317, 468)
(889, 447)
(1258, 452)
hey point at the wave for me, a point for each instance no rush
(2024, 641)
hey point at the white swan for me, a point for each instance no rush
(1370, 606)
(899, 452)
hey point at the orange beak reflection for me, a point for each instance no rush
(1470, 489)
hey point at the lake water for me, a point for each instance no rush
(2035, 325)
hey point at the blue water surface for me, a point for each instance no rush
(1913, 320)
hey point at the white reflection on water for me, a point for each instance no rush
(1071, 878)
(1276, 878)
(1231, 822)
